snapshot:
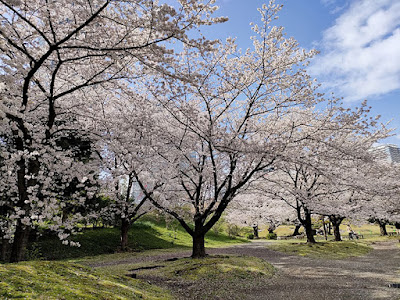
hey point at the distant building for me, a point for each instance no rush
(388, 152)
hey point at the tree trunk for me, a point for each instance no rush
(198, 251)
(329, 228)
(325, 231)
(336, 233)
(125, 225)
(308, 227)
(382, 227)
(336, 221)
(20, 243)
(296, 230)
(4, 249)
(255, 231)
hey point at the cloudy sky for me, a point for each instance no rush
(358, 40)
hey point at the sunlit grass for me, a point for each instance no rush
(62, 280)
(219, 274)
(324, 250)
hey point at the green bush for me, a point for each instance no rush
(250, 236)
(271, 236)
(233, 230)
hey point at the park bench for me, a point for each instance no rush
(355, 236)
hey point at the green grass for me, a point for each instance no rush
(144, 235)
(216, 277)
(322, 250)
(221, 267)
(62, 280)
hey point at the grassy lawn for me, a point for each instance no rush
(370, 232)
(324, 250)
(39, 279)
(62, 280)
(233, 274)
(144, 235)
(66, 279)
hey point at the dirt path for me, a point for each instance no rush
(363, 278)
(299, 278)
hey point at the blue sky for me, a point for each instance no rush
(358, 40)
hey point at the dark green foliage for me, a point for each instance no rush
(271, 236)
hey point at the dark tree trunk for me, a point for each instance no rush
(329, 228)
(336, 221)
(198, 251)
(20, 243)
(308, 227)
(21, 234)
(125, 225)
(382, 227)
(255, 231)
(296, 230)
(4, 249)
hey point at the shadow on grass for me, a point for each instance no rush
(99, 241)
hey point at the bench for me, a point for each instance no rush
(353, 235)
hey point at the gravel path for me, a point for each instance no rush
(299, 278)
(363, 278)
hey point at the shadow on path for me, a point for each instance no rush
(366, 277)
(360, 278)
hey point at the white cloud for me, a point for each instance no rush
(360, 55)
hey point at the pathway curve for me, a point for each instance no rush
(361, 278)
(366, 277)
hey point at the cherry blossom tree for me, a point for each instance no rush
(121, 148)
(224, 129)
(58, 58)
(383, 207)
(259, 208)
(326, 171)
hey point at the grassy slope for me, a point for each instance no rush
(142, 236)
(62, 280)
(67, 280)
(234, 274)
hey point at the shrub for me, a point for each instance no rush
(233, 230)
(250, 236)
(271, 236)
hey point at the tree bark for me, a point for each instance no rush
(199, 250)
(382, 227)
(20, 243)
(296, 230)
(329, 228)
(4, 249)
(336, 221)
(308, 227)
(125, 225)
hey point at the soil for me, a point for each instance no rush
(364, 278)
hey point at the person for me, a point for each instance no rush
(352, 234)
(255, 230)
(397, 225)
